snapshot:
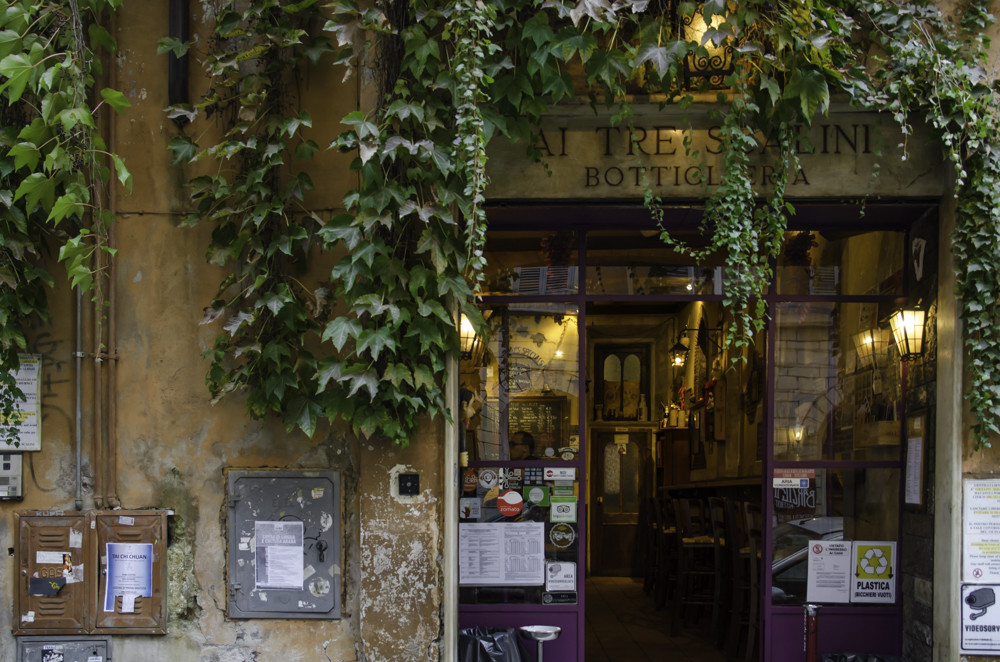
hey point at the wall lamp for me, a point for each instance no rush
(715, 62)
(679, 352)
(469, 339)
(870, 344)
(907, 326)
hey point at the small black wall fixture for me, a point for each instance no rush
(177, 67)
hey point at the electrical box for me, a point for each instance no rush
(11, 477)
(131, 584)
(99, 572)
(64, 649)
(54, 579)
(284, 544)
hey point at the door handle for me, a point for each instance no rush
(600, 499)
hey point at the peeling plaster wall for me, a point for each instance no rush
(401, 547)
(173, 445)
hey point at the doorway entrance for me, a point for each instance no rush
(606, 384)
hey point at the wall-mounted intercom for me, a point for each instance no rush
(10, 477)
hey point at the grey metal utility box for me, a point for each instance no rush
(63, 649)
(284, 544)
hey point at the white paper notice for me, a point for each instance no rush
(914, 478)
(29, 381)
(130, 572)
(128, 604)
(279, 555)
(829, 571)
(981, 543)
(504, 554)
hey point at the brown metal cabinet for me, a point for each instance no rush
(138, 614)
(63, 572)
(53, 573)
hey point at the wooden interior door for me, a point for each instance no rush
(621, 464)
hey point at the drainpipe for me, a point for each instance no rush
(78, 420)
(97, 397)
(452, 477)
(112, 349)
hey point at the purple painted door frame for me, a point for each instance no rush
(866, 629)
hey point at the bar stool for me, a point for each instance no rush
(720, 562)
(649, 525)
(695, 565)
(739, 562)
(752, 514)
(665, 584)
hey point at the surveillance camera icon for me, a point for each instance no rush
(981, 599)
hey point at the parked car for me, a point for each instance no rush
(790, 562)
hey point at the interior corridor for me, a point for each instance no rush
(624, 626)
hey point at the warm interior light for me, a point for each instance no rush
(678, 353)
(908, 331)
(468, 337)
(870, 344)
(717, 63)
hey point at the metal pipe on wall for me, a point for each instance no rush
(78, 397)
(112, 349)
(97, 398)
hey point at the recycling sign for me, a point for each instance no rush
(873, 574)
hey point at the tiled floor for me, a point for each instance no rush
(624, 626)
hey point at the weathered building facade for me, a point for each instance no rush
(152, 443)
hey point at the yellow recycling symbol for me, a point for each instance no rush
(873, 562)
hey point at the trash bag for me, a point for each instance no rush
(860, 657)
(482, 644)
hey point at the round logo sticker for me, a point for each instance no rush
(536, 495)
(469, 480)
(562, 535)
(487, 478)
(509, 504)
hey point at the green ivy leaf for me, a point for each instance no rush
(18, 69)
(115, 99)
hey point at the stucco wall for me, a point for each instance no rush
(173, 445)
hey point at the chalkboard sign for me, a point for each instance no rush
(542, 417)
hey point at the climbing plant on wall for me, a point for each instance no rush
(453, 76)
(54, 165)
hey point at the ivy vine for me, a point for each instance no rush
(54, 165)
(409, 241)
(455, 75)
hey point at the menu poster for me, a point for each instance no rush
(130, 574)
(501, 554)
(26, 418)
(981, 540)
(278, 554)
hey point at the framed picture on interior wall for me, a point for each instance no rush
(622, 375)
(918, 440)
